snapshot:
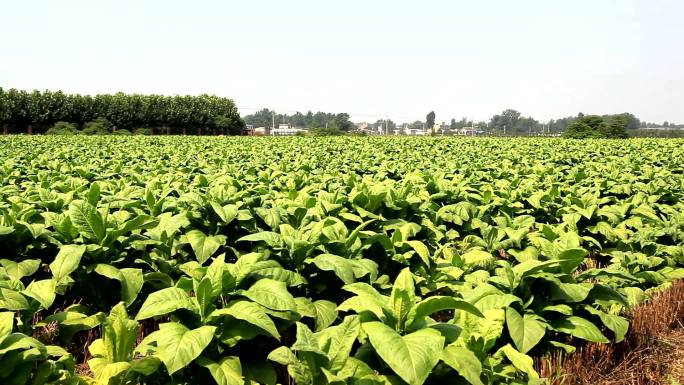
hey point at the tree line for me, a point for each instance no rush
(311, 120)
(38, 111)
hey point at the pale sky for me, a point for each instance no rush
(545, 58)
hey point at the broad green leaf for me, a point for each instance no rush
(618, 325)
(204, 246)
(412, 356)
(337, 341)
(580, 328)
(342, 267)
(525, 331)
(6, 323)
(271, 294)
(464, 362)
(118, 335)
(521, 361)
(227, 371)
(131, 280)
(12, 300)
(403, 296)
(249, 312)
(42, 291)
(270, 238)
(325, 314)
(178, 346)
(87, 220)
(66, 261)
(420, 249)
(306, 341)
(165, 301)
(21, 269)
(477, 258)
(438, 303)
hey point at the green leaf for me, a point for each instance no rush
(525, 331)
(204, 246)
(420, 249)
(227, 213)
(66, 261)
(131, 280)
(438, 303)
(342, 267)
(205, 297)
(580, 328)
(477, 258)
(42, 291)
(178, 346)
(326, 313)
(165, 301)
(269, 237)
(251, 313)
(403, 296)
(464, 362)
(228, 371)
(270, 294)
(12, 300)
(618, 325)
(339, 340)
(6, 323)
(521, 361)
(118, 334)
(21, 269)
(87, 220)
(412, 356)
(306, 341)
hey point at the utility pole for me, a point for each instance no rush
(273, 120)
(386, 124)
(504, 130)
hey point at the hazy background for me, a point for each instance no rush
(547, 59)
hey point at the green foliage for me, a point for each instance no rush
(593, 126)
(99, 126)
(331, 130)
(123, 111)
(62, 128)
(351, 260)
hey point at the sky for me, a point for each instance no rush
(371, 59)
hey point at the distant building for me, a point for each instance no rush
(285, 129)
(415, 131)
(467, 131)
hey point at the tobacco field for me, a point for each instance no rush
(338, 260)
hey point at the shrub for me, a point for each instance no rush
(99, 126)
(122, 131)
(62, 128)
(594, 126)
(142, 131)
(327, 131)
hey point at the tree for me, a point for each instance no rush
(342, 122)
(430, 121)
(506, 121)
(594, 126)
(5, 111)
(615, 126)
(452, 124)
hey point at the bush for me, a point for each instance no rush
(99, 126)
(594, 126)
(122, 131)
(329, 131)
(62, 128)
(142, 131)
